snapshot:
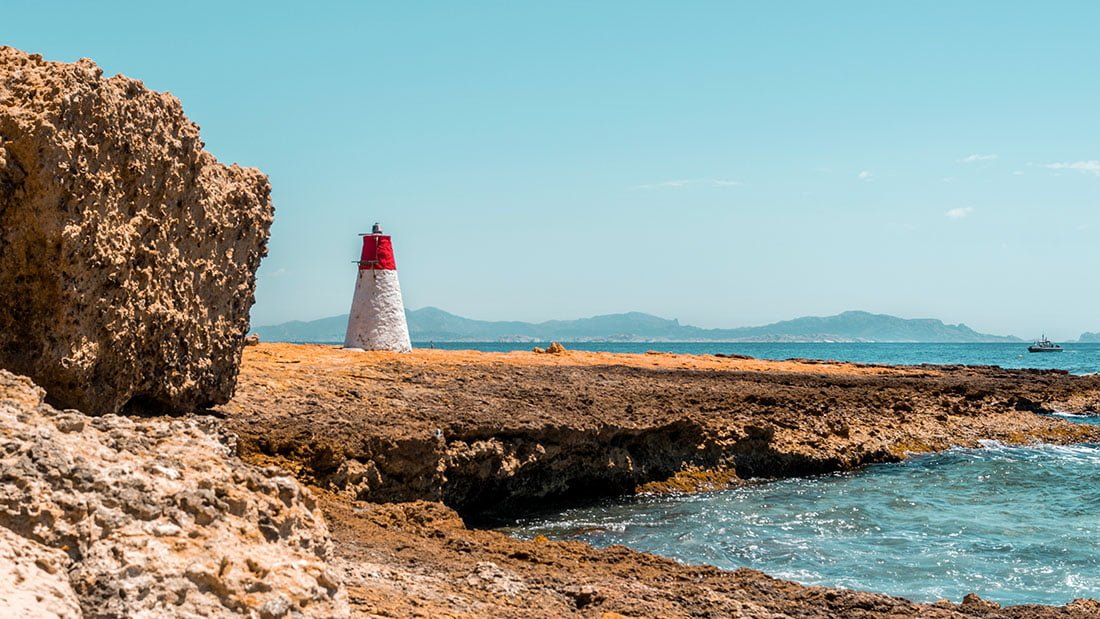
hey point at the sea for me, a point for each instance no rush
(1076, 358)
(1014, 524)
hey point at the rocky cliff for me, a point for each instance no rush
(127, 252)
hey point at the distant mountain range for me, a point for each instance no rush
(432, 324)
(1089, 338)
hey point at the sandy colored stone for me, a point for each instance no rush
(127, 252)
(488, 431)
(158, 518)
(33, 580)
(555, 349)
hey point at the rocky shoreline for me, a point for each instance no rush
(404, 449)
(201, 515)
(336, 483)
(489, 431)
(419, 560)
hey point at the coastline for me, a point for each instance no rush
(406, 450)
(157, 460)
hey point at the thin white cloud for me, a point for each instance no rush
(864, 175)
(666, 184)
(959, 213)
(1089, 167)
(689, 182)
(978, 157)
(1018, 173)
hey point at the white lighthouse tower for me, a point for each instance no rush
(377, 319)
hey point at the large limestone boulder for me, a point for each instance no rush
(150, 518)
(127, 252)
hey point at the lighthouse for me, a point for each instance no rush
(377, 319)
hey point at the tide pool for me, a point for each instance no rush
(1014, 524)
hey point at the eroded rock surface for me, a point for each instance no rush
(127, 252)
(484, 431)
(157, 517)
(33, 581)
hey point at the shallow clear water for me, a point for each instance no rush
(1014, 524)
(1077, 358)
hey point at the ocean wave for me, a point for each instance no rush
(934, 526)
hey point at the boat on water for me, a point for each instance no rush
(1044, 345)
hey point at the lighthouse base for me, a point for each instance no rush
(377, 319)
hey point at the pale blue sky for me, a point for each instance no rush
(724, 163)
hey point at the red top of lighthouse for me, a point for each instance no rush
(377, 252)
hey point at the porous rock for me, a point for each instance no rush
(156, 516)
(33, 582)
(127, 252)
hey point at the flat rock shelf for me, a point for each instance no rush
(406, 449)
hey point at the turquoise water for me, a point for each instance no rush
(1077, 358)
(1014, 524)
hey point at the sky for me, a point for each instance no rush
(723, 163)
